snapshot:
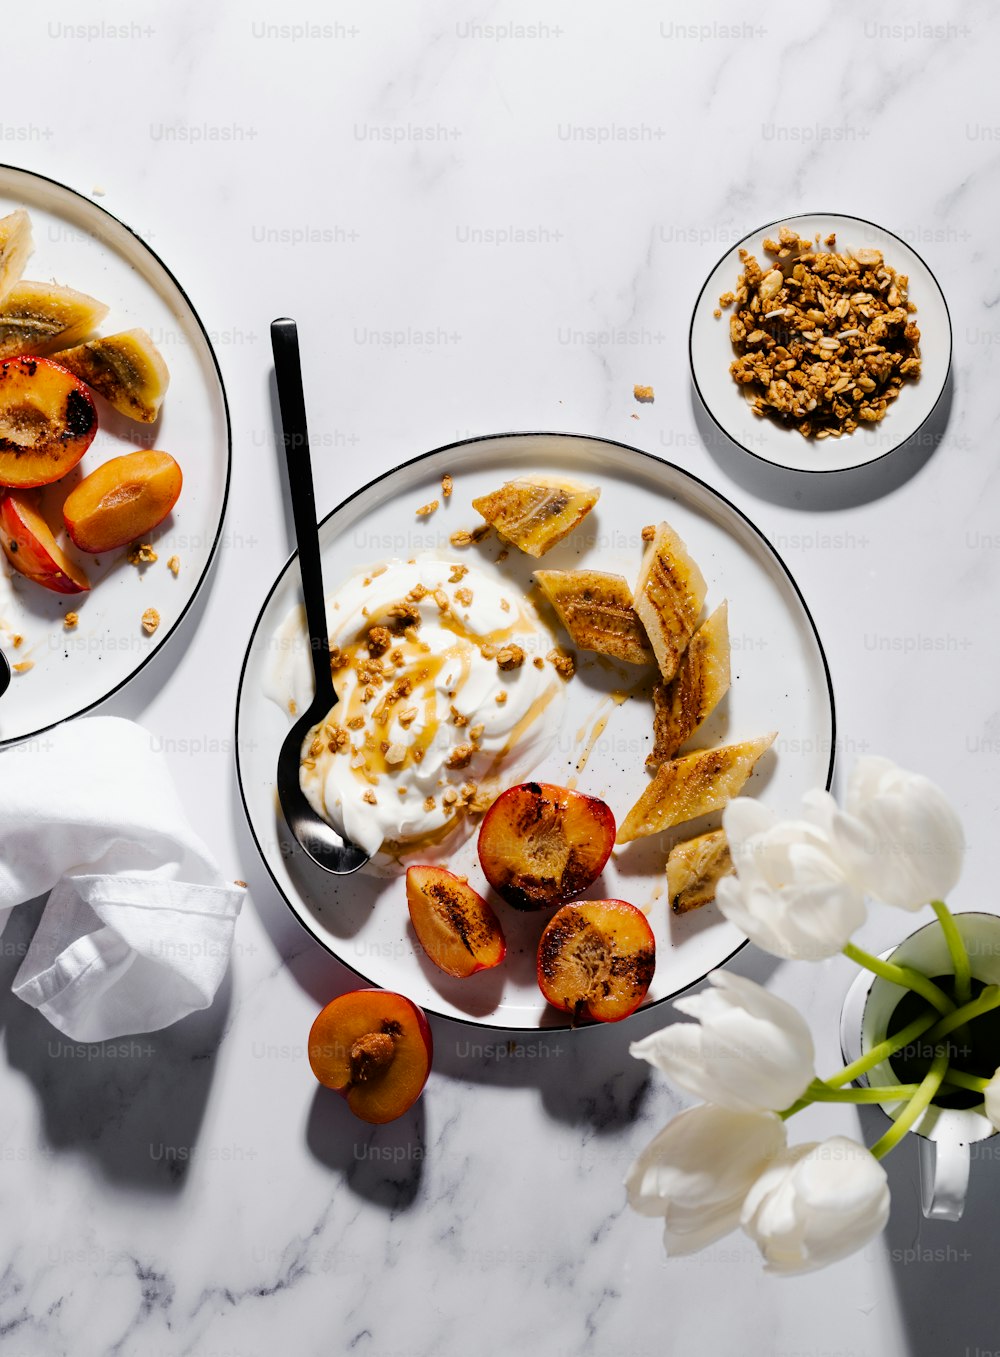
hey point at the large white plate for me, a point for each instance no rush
(780, 681)
(79, 244)
(712, 353)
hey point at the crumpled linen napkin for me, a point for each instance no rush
(138, 927)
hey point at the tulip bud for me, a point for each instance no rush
(816, 1203)
(749, 1050)
(697, 1171)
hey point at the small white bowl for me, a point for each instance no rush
(712, 353)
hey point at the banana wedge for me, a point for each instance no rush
(700, 684)
(692, 785)
(15, 247)
(127, 369)
(42, 318)
(596, 609)
(669, 595)
(694, 869)
(535, 514)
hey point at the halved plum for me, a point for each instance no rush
(124, 499)
(540, 844)
(596, 958)
(47, 422)
(454, 925)
(29, 545)
(375, 1048)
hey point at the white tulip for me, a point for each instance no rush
(992, 1100)
(698, 1170)
(749, 1050)
(900, 838)
(816, 1203)
(791, 895)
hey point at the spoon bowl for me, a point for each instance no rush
(316, 836)
(4, 673)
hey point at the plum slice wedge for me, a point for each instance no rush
(375, 1048)
(47, 422)
(454, 925)
(540, 845)
(121, 500)
(31, 548)
(596, 959)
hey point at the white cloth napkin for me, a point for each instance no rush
(138, 928)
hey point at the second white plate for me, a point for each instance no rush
(712, 353)
(780, 681)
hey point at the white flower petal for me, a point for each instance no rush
(815, 1204)
(696, 1172)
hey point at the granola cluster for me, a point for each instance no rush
(824, 341)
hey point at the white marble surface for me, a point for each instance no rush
(191, 1192)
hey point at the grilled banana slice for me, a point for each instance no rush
(127, 369)
(15, 247)
(668, 597)
(596, 609)
(535, 514)
(700, 684)
(694, 868)
(692, 785)
(41, 318)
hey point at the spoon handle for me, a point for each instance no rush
(288, 374)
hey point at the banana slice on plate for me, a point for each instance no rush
(700, 684)
(694, 869)
(41, 318)
(669, 595)
(691, 786)
(127, 369)
(535, 514)
(15, 247)
(596, 609)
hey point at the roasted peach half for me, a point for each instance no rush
(596, 959)
(47, 422)
(31, 548)
(454, 925)
(375, 1048)
(541, 845)
(124, 499)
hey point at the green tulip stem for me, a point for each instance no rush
(915, 1108)
(886, 1093)
(882, 1051)
(972, 1083)
(986, 1002)
(957, 950)
(901, 975)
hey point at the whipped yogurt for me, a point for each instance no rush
(445, 699)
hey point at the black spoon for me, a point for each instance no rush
(4, 673)
(318, 838)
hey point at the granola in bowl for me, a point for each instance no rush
(824, 340)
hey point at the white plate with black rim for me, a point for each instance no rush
(66, 672)
(712, 352)
(780, 682)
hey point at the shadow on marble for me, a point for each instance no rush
(834, 490)
(382, 1164)
(321, 975)
(941, 1270)
(133, 1105)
